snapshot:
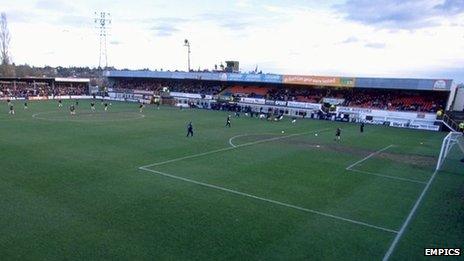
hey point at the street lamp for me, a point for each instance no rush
(187, 44)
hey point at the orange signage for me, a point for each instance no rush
(319, 80)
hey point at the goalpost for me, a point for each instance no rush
(453, 138)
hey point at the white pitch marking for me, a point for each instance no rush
(368, 157)
(409, 218)
(388, 176)
(231, 148)
(237, 136)
(188, 157)
(269, 200)
(350, 168)
(243, 135)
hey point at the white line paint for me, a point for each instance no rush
(409, 218)
(231, 148)
(234, 137)
(350, 168)
(270, 200)
(231, 139)
(244, 135)
(387, 176)
(188, 157)
(368, 157)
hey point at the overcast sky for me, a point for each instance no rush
(394, 38)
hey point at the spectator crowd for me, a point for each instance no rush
(157, 86)
(396, 100)
(25, 89)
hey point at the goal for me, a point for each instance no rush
(452, 139)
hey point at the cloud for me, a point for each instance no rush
(375, 45)
(76, 20)
(243, 3)
(165, 26)
(47, 13)
(351, 39)
(165, 30)
(23, 16)
(451, 6)
(279, 36)
(168, 20)
(400, 14)
(235, 25)
(54, 5)
(454, 73)
(239, 20)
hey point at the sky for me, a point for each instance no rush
(376, 38)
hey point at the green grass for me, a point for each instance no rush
(71, 187)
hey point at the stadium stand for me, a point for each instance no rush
(395, 100)
(21, 89)
(374, 98)
(42, 87)
(174, 86)
(246, 91)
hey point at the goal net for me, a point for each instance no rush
(451, 140)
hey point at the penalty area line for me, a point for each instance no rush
(270, 201)
(233, 147)
(249, 134)
(388, 176)
(369, 156)
(350, 168)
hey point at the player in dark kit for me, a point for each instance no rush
(190, 129)
(77, 103)
(338, 133)
(11, 112)
(361, 128)
(92, 106)
(60, 104)
(25, 105)
(141, 107)
(106, 106)
(72, 109)
(228, 121)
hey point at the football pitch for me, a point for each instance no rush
(127, 185)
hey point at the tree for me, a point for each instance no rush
(6, 69)
(4, 40)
